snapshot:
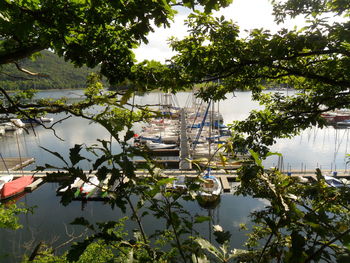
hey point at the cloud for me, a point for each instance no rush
(158, 48)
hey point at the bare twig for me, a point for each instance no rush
(72, 237)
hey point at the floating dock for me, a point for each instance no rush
(225, 178)
(15, 163)
(184, 163)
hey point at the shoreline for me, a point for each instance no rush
(41, 90)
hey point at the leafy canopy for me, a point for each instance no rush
(302, 223)
(86, 32)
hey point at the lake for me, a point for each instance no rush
(325, 148)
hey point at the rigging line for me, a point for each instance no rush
(25, 146)
(315, 134)
(19, 152)
(176, 102)
(309, 135)
(347, 142)
(337, 146)
(328, 135)
(195, 118)
(188, 100)
(201, 128)
(7, 169)
(301, 137)
(342, 138)
(335, 143)
(324, 138)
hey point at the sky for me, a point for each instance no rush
(248, 14)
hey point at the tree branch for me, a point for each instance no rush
(325, 245)
(21, 53)
(29, 72)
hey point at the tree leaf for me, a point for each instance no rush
(74, 154)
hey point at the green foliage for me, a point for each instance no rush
(301, 223)
(313, 60)
(95, 252)
(87, 33)
(9, 216)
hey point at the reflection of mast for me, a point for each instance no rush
(83, 204)
(210, 224)
(19, 153)
(212, 221)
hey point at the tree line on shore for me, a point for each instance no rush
(54, 73)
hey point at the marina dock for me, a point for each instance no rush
(173, 140)
(225, 178)
(15, 163)
(184, 145)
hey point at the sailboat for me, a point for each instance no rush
(15, 187)
(210, 190)
(5, 179)
(90, 187)
(10, 187)
(334, 182)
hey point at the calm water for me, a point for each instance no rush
(50, 222)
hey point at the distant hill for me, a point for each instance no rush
(61, 74)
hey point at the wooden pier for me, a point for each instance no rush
(224, 176)
(15, 163)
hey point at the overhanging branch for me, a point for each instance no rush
(29, 72)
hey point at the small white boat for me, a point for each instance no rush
(46, 119)
(88, 188)
(9, 126)
(334, 182)
(179, 184)
(210, 190)
(34, 121)
(155, 145)
(74, 185)
(343, 123)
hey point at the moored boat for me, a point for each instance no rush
(89, 188)
(15, 187)
(8, 126)
(334, 182)
(154, 145)
(210, 190)
(179, 184)
(5, 179)
(343, 123)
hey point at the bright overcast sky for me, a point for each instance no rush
(248, 14)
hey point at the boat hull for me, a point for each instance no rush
(15, 187)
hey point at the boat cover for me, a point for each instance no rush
(16, 186)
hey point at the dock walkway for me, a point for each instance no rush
(14, 163)
(224, 177)
(184, 147)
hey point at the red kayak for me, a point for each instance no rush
(15, 187)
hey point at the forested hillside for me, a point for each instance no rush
(61, 74)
